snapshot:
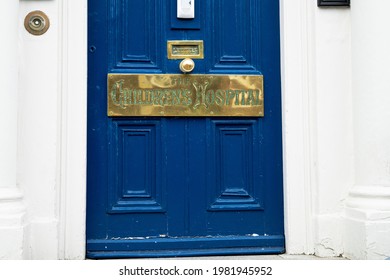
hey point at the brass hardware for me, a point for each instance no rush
(37, 23)
(185, 95)
(187, 65)
(185, 49)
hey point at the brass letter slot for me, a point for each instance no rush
(185, 49)
(185, 95)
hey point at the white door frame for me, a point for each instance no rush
(296, 52)
(73, 126)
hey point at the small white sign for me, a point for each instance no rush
(185, 8)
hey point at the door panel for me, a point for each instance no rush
(170, 186)
(234, 159)
(236, 40)
(134, 34)
(136, 167)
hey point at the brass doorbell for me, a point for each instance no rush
(37, 23)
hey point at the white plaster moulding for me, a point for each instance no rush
(368, 197)
(10, 194)
(11, 202)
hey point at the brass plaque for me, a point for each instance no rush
(185, 95)
(185, 49)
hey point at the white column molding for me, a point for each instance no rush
(367, 210)
(369, 197)
(367, 222)
(12, 210)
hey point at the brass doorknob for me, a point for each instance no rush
(187, 65)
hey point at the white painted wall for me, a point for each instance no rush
(333, 125)
(336, 145)
(39, 80)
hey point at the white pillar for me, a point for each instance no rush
(11, 206)
(368, 205)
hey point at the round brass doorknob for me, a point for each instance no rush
(187, 65)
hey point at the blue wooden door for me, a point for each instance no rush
(171, 186)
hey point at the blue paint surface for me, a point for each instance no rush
(184, 186)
